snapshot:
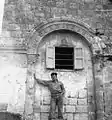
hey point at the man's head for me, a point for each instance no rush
(54, 76)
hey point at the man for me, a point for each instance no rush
(57, 92)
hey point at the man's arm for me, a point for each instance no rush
(43, 82)
(63, 89)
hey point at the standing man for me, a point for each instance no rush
(57, 92)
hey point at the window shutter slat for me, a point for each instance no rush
(79, 52)
(50, 57)
(78, 58)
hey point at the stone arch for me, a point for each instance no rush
(43, 29)
(36, 36)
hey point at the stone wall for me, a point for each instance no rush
(12, 82)
(19, 21)
(103, 92)
(75, 82)
(20, 18)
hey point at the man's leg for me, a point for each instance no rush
(60, 107)
(52, 114)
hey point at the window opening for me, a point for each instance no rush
(64, 58)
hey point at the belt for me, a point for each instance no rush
(55, 94)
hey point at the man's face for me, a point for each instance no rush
(54, 77)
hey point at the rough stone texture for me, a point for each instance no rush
(10, 116)
(68, 116)
(75, 100)
(82, 101)
(44, 116)
(81, 108)
(3, 107)
(13, 77)
(21, 21)
(37, 116)
(21, 17)
(70, 109)
(70, 101)
(81, 116)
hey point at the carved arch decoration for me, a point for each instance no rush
(42, 30)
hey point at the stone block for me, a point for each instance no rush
(46, 100)
(70, 108)
(108, 107)
(109, 76)
(81, 109)
(29, 105)
(82, 101)
(81, 116)
(28, 108)
(100, 106)
(29, 117)
(36, 116)
(44, 116)
(68, 116)
(89, 13)
(45, 108)
(100, 115)
(37, 109)
(71, 101)
(16, 34)
(82, 94)
(99, 96)
(98, 81)
(10, 26)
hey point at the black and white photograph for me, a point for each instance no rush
(55, 59)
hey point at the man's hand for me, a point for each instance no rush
(43, 82)
(36, 77)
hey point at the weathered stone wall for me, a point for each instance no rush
(12, 81)
(19, 20)
(103, 91)
(77, 83)
(24, 15)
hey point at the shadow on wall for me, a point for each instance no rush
(10, 116)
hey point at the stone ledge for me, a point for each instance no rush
(13, 49)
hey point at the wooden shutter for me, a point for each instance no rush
(78, 58)
(50, 57)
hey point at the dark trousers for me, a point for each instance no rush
(56, 101)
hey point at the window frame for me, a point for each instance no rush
(66, 59)
(74, 48)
